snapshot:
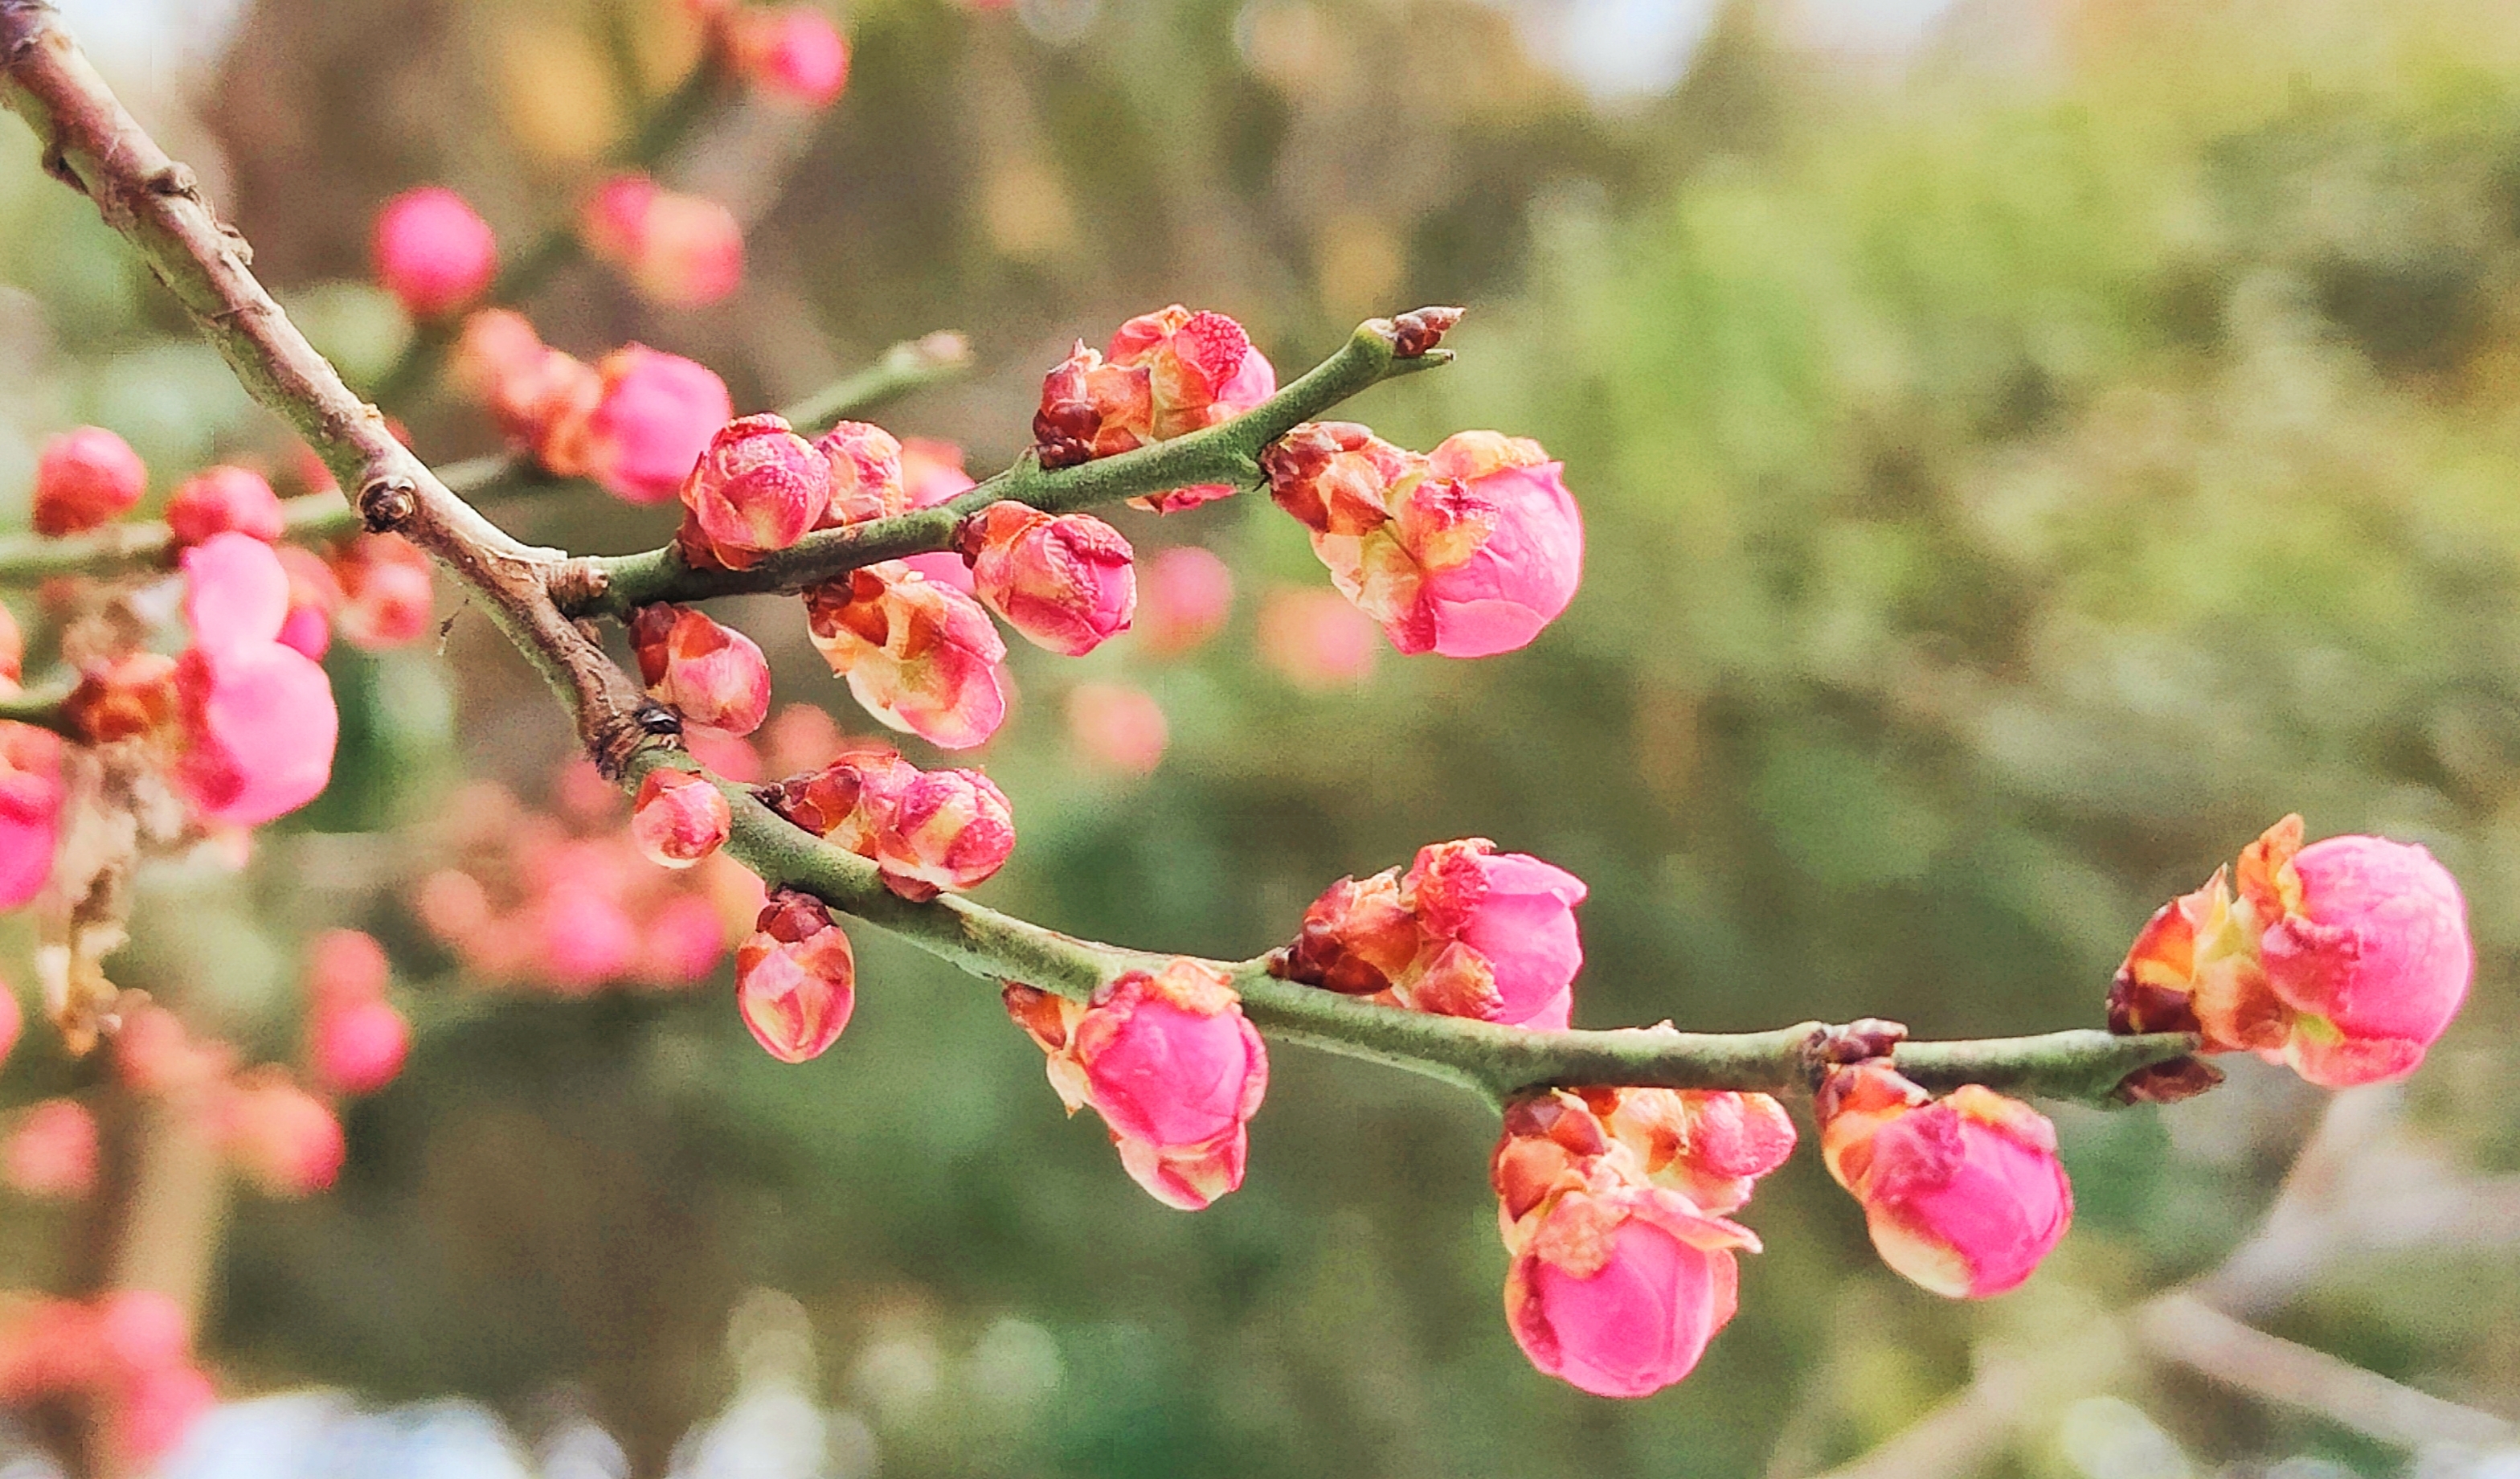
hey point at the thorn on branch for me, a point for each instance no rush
(388, 503)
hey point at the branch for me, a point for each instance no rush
(1227, 452)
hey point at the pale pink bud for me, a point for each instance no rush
(1470, 932)
(346, 966)
(222, 499)
(52, 1151)
(1067, 581)
(710, 674)
(1183, 600)
(681, 251)
(679, 819)
(921, 656)
(796, 978)
(155, 1055)
(434, 252)
(140, 1330)
(1620, 1287)
(1201, 369)
(85, 477)
(652, 416)
(1963, 1195)
(793, 54)
(802, 737)
(356, 1047)
(1170, 1064)
(866, 474)
(31, 792)
(758, 486)
(386, 591)
(257, 718)
(1313, 639)
(1117, 727)
(284, 1140)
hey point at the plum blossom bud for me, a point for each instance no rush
(921, 656)
(257, 718)
(1313, 639)
(284, 1140)
(540, 396)
(433, 252)
(346, 965)
(52, 1151)
(1170, 1064)
(1092, 409)
(1164, 375)
(926, 831)
(679, 819)
(386, 592)
(1117, 727)
(1185, 598)
(931, 473)
(1709, 1145)
(680, 251)
(758, 486)
(356, 1047)
(85, 477)
(1467, 932)
(583, 936)
(796, 978)
(1067, 581)
(1962, 1195)
(2346, 958)
(220, 500)
(866, 474)
(710, 674)
(793, 54)
(654, 416)
(314, 594)
(31, 792)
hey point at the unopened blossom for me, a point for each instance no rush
(220, 500)
(1709, 1145)
(52, 1150)
(865, 471)
(679, 817)
(31, 792)
(85, 477)
(1164, 375)
(386, 591)
(922, 656)
(1117, 726)
(1169, 1062)
(931, 473)
(926, 831)
(256, 719)
(796, 978)
(1183, 596)
(1316, 640)
(356, 1047)
(709, 673)
(1466, 932)
(540, 396)
(2346, 958)
(681, 251)
(284, 1140)
(1067, 581)
(434, 252)
(792, 53)
(757, 487)
(154, 1055)
(654, 415)
(1962, 1195)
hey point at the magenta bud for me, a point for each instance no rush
(433, 252)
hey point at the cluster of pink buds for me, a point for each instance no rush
(1467, 551)
(633, 423)
(680, 251)
(1612, 1203)
(791, 54)
(125, 1358)
(2346, 959)
(355, 1040)
(926, 831)
(434, 252)
(1170, 1064)
(795, 978)
(920, 655)
(1466, 932)
(1163, 375)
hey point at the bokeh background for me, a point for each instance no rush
(2027, 446)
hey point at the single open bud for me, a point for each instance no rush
(680, 251)
(387, 589)
(711, 674)
(866, 474)
(758, 488)
(1067, 581)
(922, 656)
(31, 792)
(679, 819)
(796, 978)
(52, 1151)
(219, 500)
(792, 53)
(1962, 1195)
(1170, 1064)
(257, 718)
(1468, 932)
(434, 252)
(85, 477)
(356, 1047)
(1116, 726)
(1183, 600)
(284, 1140)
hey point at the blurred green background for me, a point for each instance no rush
(2026, 449)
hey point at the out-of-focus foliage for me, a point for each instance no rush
(2016, 474)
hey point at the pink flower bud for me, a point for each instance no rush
(1316, 640)
(653, 417)
(1962, 1195)
(223, 499)
(679, 819)
(758, 488)
(356, 1047)
(796, 978)
(921, 656)
(2346, 959)
(866, 474)
(282, 1139)
(793, 54)
(1470, 932)
(1619, 1287)
(931, 473)
(680, 251)
(314, 594)
(153, 1054)
(257, 718)
(1165, 375)
(710, 674)
(1169, 1063)
(386, 592)
(541, 398)
(1117, 727)
(1091, 409)
(31, 792)
(1185, 596)
(52, 1151)
(140, 1330)
(346, 966)
(924, 830)
(1065, 581)
(1710, 1147)
(85, 477)
(434, 252)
